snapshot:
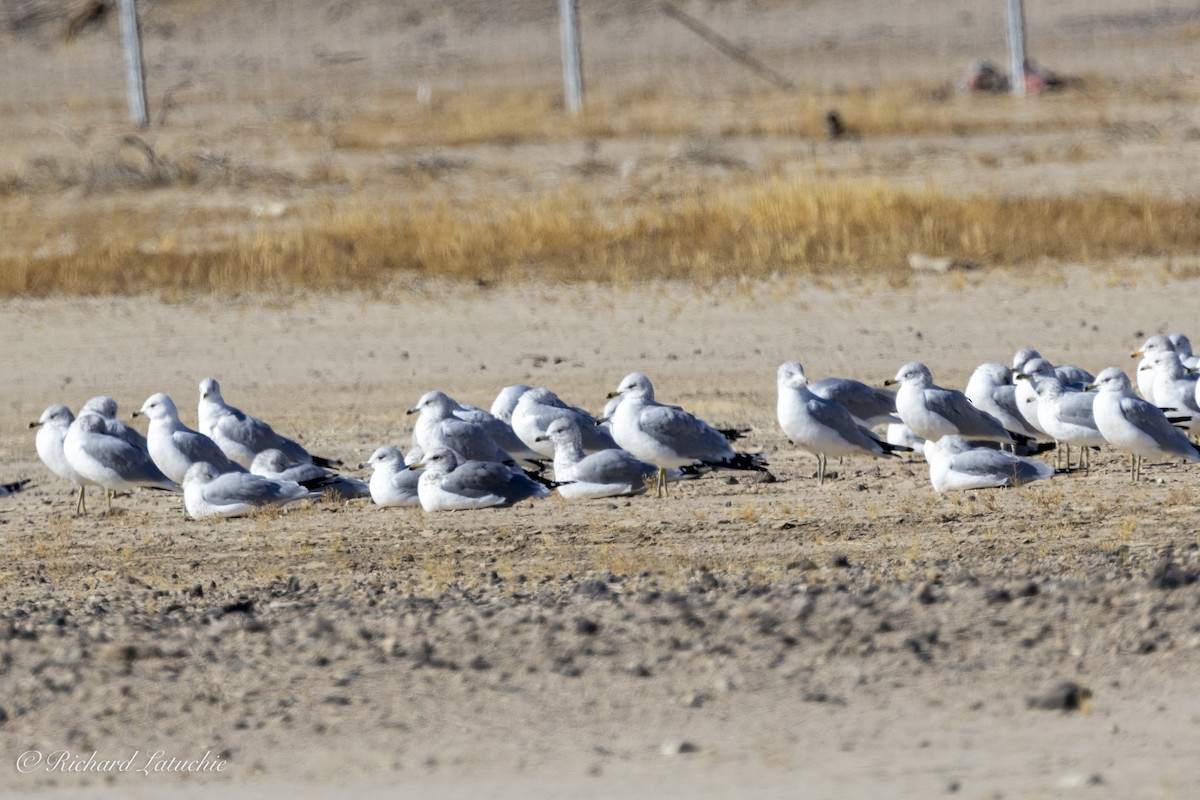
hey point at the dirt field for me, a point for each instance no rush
(864, 638)
(857, 638)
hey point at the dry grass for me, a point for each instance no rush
(752, 229)
(126, 220)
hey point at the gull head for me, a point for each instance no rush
(102, 404)
(1111, 380)
(913, 373)
(55, 416)
(635, 384)
(561, 430)
(158, 406)
(437, 402)
(201, 473)
(1023, 357)
(438, 461)
(996, 374)
(1156, 343)
(270, 461)
(385, 456)
(791, 375)
(211, 390)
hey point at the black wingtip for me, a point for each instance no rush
(733, 434)
(327, 463)
(15, 486)
(744, 461)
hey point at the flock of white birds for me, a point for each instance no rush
(463, 457)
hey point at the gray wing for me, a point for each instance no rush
(960, 412)
(1075, 408)
(986, 463)
(304, 472)
(240, 487)
(1073, 376)
(129, 462)
(469, 440)
(613, 466)
(125, 433)
(500, 432)
(863, 401)
(198, 447)
(256, 435)
(835, 416)
(1151, 421)
(687, 435)
(1000, 467)
(478, 479)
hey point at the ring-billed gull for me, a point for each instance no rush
(668, 436)
(1174, 386)
(1027, 398)
(1183, 346)
(1073, 377)
(208, 493)
(52, 430)
(1158, 343)
(174, 446)
(393, 483)
(932, 411)
(991, 389)
(538, 407)
(437, 426)
(105, 407)
(1069, 417)
(954, 465)
(605, 473)
(242, 436)
(450, 485)
(818, 425)
(275, 465)
(1136, 426)
(105, 460)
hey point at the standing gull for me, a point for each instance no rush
(1158, 343)
(174, 446)
(103, 459)
(668, 436)
(106, 408)
(932, 412)
(450, 485)
(1069, 417)
(242, 436)
(1174, 387)
(52, 430)
(1136, 426)
(208, 493)
(821, 426)
(991, 389)
(954, 465)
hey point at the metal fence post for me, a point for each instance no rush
(1016, 46)
(135, 78)
(572, 60)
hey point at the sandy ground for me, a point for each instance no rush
(857, 639)
(864, 638)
